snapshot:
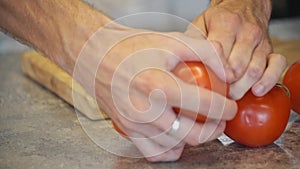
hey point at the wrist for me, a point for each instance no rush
(80, 30)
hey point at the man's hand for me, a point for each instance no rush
(241, 27)
(127, 70)
(135, 86)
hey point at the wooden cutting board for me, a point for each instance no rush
(47, 74)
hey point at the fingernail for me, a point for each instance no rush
(259, 89)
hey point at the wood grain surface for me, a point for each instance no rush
(47, 74)
(290, 49)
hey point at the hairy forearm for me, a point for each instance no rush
(262, 5)
(265, 2)
(57, 28)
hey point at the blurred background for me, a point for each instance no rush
(285, 8)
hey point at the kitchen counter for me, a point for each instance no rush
(39, 130)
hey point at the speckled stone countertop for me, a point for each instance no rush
(39, 130)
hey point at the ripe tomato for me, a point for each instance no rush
(197, 73)
(260, 120)
(292, 81)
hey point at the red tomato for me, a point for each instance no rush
(292, 81)
(260, 120)
(197, 73)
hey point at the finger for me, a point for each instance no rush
(212, 131)
(208, 52)
(155, 152)
(252, 75)
(154, 143)
(276, 65)
(198, 99)
(155, 134)
(144, 126)
(169, 89)
(189, 131)
(199, 132)
(219, 30)
(218, 63)
(171, 155)
(244, 46)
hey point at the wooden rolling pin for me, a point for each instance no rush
(47, 74)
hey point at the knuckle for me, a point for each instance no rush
(217, 47)
(146, 83)
(255, 29)
(232, 17)
(255, 72)
(162, 84)
(281, 59)
(254, 32)
(239, 67)
(218, 52)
